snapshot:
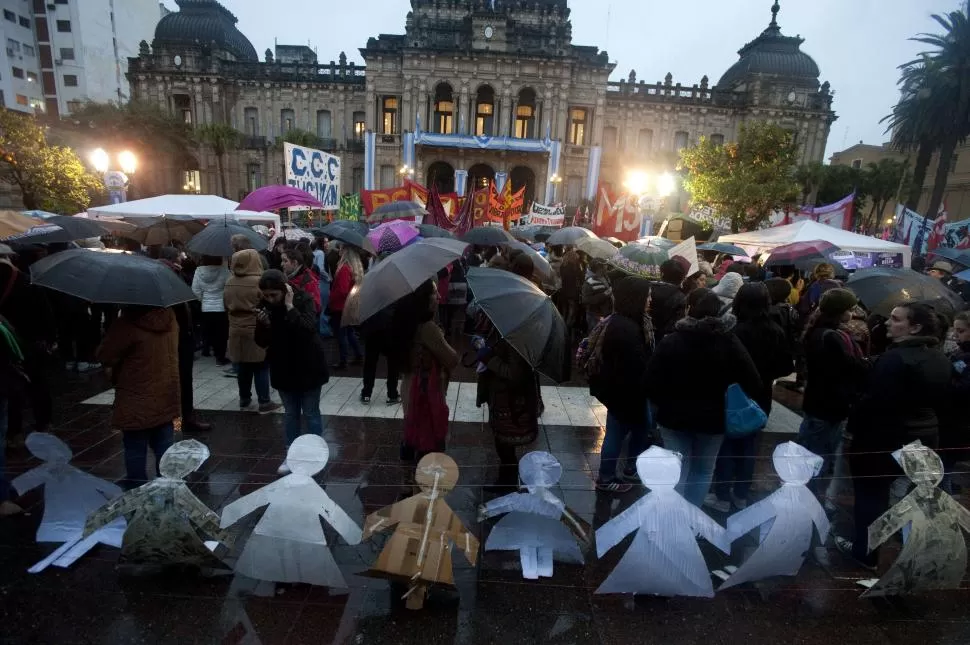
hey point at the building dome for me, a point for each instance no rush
(203, 22)
(772, 54)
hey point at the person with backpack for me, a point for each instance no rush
(782, 312)
(596, 295)
(615, 368)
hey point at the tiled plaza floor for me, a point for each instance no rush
(91, 603)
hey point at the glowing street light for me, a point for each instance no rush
(636, 182)
(128, 162)
(100, 160)
(555, 180)
(666, 185)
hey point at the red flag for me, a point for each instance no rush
(938, 234)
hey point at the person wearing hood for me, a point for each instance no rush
(906, 396)
(690, 409)
(622, 352)
(208, 285)
(242, 298)
(142, 351)
(286, 325)
(597, 296)
(668, 303)
(727, 289)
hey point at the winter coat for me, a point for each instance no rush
(25, 306)
(785, 316)
(343, 282)
(241, 299)
(142, 351)
(771, 353)
(624, 353)
(510, 387)
(667, 306)
(727, 289)
(295, 352)
(691, 370)
(597, 296)
(571, 274)
(905, 397)
(955, 427)
(208, 285)
(307, 281)
(836, 373)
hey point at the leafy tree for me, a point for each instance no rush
(746, 180)
(810, 177)
(49, 177)
(884, 181)
(222, 138)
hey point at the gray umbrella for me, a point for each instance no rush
(404, 209)
(487, 236)
(569, 235)
(111, 278)
(430, 230)
(347, 231)
(216, 239)
(542, 266)
(524, 316)
(59, 228)
(404, 271)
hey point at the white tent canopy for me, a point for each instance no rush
(271, 220)
(808, 230)
(198, 206)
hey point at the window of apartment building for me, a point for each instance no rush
(24, 22)
(857, 163)
(13, 47)
(29, 51)
(357, 179)
(680, 140)
(70, 80)
(389, 115)
(31, 77)
(388, 177)
(444, 109)
(574, 189)
(577, 126)
(21, 99)
(287, 120)
(360, 125)
(9, 15)
(610, 138)
(717, 139)
(324, 124)
(67, 53)
(254, 176)
(645, 140)
(17, 72)
(251, 121)
(74, 106)
(64, 26)
(485, 111)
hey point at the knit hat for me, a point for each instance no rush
(836, 302)
(941, 265)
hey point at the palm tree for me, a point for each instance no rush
(299, 137)
(810, 177)
(222, 138)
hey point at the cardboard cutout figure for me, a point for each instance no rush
(786, 518)
(419, 550)
(164, 518)
(664, 558)
(70, 495)
(934, 555)
(288, 543)
(534, 525)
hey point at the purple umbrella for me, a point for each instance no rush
(392, 236)
(270, 198)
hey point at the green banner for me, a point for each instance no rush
(350, 207)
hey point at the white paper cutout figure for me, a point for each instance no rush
(288, 543)
(70, 495)
(534, 525)
(786, 518)
(165, 519)
(934, 555)
(664, 558)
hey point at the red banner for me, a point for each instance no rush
(481, 205)
(616, 217)
(410, 191)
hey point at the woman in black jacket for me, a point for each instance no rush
(769, 349)
(955, 428)
(287, 327)
(686, 380)
(905, 397)
(625, 348)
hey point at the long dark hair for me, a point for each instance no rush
(752, 302)
(932, 322)
(410, 312)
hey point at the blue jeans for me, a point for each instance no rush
(136, 442)
(297, 405)
(823, 438)
(250, 374)
(735, 467)
(699, 452)
(616, 432)
(4, 484)
(346, 338)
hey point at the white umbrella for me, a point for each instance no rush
(404, 271)
(196, 206)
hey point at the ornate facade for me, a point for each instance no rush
(473, 90)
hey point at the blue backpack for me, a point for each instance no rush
(742, 416)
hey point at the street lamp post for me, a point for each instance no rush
(117, 182)
(555, 180)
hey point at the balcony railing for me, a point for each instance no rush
(355, 145)
(253, 142)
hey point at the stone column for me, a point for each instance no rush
(370, 109)
(502, 127)
(461, 111)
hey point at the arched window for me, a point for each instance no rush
(485, 111)
(525, 115)
(324, 124)
(680, 140)
(717, 139)
(444, 109)
(287, 121)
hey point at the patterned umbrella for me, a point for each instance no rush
(640, 259)
(293, 233)
(802, 254)
(392, 236)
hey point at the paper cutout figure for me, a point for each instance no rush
(419, 550)
(934, 556)
(664, 558)
(70, 495)
(288, 543)
(786, 518)
(534, 524)
(164, 517)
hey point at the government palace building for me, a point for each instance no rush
(472, 91)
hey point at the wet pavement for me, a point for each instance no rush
(91, 603)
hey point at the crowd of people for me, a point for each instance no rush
(659, 351)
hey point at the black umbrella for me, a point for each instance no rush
(347, 231)
(216, 239)
(533, 232)
(431, 231)
(164, 230)
(953, 255)
(881, 289)
(722, 247)
(569, 235)
(487, 236)
(403, 209)
(60, 228)
(539, 263)
(111, 278)
(524, 316)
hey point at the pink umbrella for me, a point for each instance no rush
(392, 236)
(269, 198)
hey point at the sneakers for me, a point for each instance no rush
(245, 403)
(222, 362)
(84, 366)
(230, 372)
(845, 548)
(613, 486)
(269, 406)
(365, 398)
(394, 400)
(283, 469)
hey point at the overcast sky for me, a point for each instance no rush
(857, 44)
